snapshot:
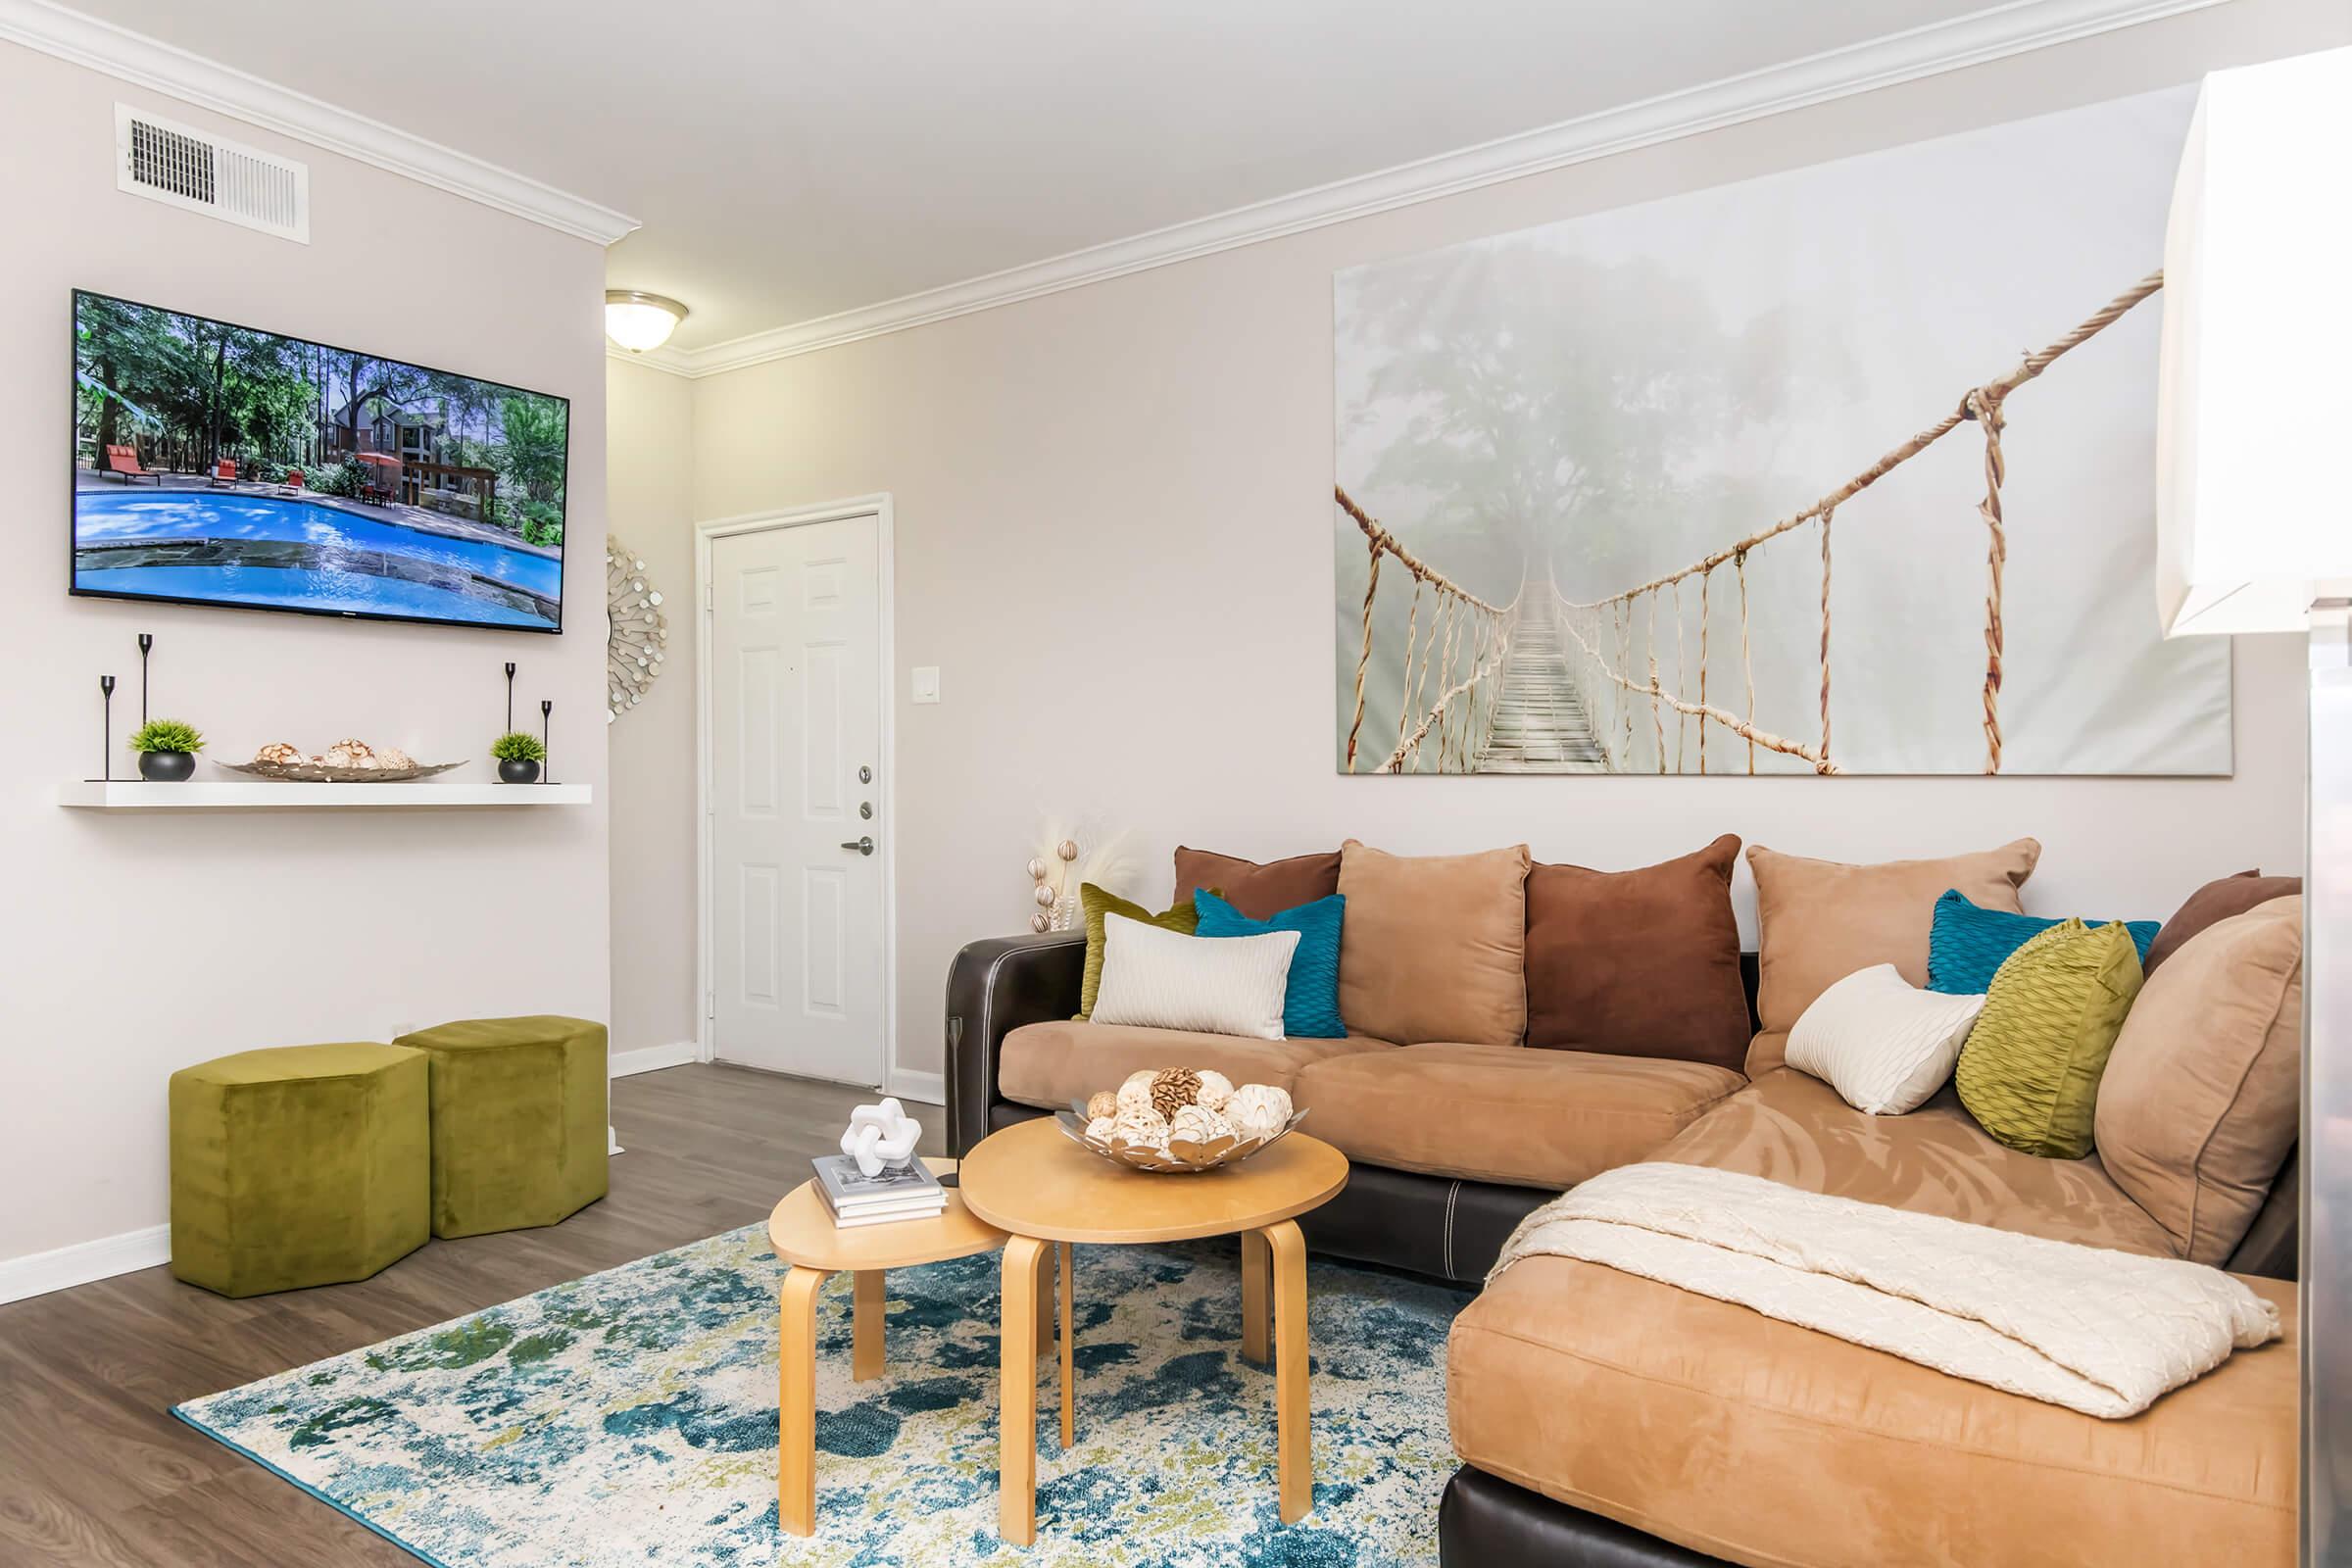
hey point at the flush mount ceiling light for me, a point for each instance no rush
(638, 321)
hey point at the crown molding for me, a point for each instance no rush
(675, 362)
(133, 57)
(1981, 36)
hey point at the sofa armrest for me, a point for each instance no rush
(994, 987)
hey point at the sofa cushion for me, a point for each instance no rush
(1817, 921)
(1792, 1127)
(1259, 892)
(1051, 1064)
(1880, 1042)
(2199, 1106)
(1435, 947)
(1760, 1443)
(1310, 1001)
(2029, 1072)
(1968, 946)
(1640, 963)
(2214, 902)
(1504, 1114)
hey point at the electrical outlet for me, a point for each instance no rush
(926, 684)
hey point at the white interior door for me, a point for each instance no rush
(795, 800)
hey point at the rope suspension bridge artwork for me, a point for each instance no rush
(1541, 665)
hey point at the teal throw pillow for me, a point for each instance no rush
(1310, 1007)
(1968, 944)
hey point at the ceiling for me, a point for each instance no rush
(791, 161)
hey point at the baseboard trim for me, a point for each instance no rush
(927, 1088)
(64, 1267)
(653, 1058)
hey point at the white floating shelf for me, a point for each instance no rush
(257, 795)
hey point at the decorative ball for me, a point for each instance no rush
(1101, 1128)
(1198, 1124)
(1100, 1103)
(1040, 923)
(1037, 869)
(1173, 1089)
(349, 754)
(279, 752)
(1136, 1093)
(1216, 1089)
(1259, 1110)
(1045, 896)
(1140, 1126)
(1068, 849)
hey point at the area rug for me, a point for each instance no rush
(631, 1418)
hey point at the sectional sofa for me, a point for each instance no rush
(1604, 1420)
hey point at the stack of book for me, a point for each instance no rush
(856, 1198)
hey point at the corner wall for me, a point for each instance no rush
(137, 943)
(1114, 520)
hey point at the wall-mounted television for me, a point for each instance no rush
(220, 464)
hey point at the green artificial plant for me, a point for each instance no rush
(166, 735)
(516, 746)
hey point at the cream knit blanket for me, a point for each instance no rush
(2101, 1332)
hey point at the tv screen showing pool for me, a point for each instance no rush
(219, 464)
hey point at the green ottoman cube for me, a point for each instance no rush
(298, 1165)
(519, 1121)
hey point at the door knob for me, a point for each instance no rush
(863, 846)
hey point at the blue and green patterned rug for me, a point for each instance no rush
(631, 1418)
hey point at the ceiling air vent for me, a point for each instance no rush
(183, 167)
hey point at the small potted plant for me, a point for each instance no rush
(519, 757)
(167, 750)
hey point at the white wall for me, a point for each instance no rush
(1113, 512)
(133, 944)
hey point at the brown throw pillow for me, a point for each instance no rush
(2201, 1098)
(2214, 902)
(1818, 921)
(1260, 891)
(1638, 964)
(1434, 947)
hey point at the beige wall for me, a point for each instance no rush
(1115, 538)
(137, 944)
(650, 460)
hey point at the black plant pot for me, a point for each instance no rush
(167, 768)
(517, 771)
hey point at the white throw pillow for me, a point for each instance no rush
(1216, 985)
(1880, 1042)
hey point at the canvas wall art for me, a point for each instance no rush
(1849, 470)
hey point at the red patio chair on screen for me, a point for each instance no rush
(123, 464)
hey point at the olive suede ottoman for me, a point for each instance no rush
(298, 1165)
(519, 1121)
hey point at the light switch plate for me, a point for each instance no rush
(926, 684)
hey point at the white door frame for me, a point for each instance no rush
(894, 1079)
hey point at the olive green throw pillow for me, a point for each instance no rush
(2029, 1072)
(1098, 905)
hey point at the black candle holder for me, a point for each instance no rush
(146, 646)
(547, 766)
(106, 729)
(509, 729)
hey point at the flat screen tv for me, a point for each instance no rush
(220, 464)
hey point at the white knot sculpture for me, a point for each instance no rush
(879, 1136)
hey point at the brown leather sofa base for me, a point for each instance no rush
(1504, 1113)
(1744, 1438)
(1049, 1065)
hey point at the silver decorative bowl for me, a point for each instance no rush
(1181, 1157)
(320, 774)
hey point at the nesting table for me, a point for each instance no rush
(1039, 1190)
(804, 1234)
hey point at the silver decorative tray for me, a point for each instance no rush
(319, 774)
(1179, 1158)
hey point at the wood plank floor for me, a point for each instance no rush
(94, 1471)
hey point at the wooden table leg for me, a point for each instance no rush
(1017, 1399)
(1257, 1309)
(1044, 1297)
(1294, 1443)
(1069, 1378)
(866, 1317)
(796, 1396)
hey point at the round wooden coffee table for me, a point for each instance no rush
(804, 1234)
(1032, 1181)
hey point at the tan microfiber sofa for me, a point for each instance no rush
(1719, 1434)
